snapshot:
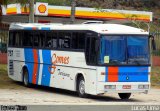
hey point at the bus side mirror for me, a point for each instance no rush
(153, 43)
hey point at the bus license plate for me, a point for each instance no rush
(126, 86)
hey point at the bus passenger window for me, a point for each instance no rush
(42, 39)
(17, 39)
(81, 41)
(51, 40)
(91, 54)
(35, 41)
(14, 39)
(64, 40)
(78, 40)
(28, 39)
(11, 39)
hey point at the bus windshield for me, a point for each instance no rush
(124, 50)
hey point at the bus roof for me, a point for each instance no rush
(99, 28)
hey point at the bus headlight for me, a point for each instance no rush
(143, 86)
(110, 86)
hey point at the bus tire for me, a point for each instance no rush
(26, 78)
(124, 96)
(81, 87)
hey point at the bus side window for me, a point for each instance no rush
(51, 40)
(28, 39)
(42, 39)
(17, 39)
(78, 40)
(75, 40)
(14, 39)
(91, 56)
(36, 37)
(64, 40)
(87, 51)
(81, 41)
(11, 39)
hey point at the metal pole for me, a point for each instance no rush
(31, 11)
(73, 9)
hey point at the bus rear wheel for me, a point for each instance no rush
(81, 87)
(26, 78)
(124, 96)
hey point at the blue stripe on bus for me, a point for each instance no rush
(45, 28)
(38, 67)
(29, 62)
(46, 74)
(133, 74)
(106, 77)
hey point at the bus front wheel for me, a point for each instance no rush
(26, 78)
(124, 96)
(81, 87)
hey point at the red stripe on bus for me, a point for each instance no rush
(35, 67)
(112, 74)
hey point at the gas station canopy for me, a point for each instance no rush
(43, 9)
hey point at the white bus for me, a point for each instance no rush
(88, 58)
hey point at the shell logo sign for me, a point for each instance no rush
(41, 8)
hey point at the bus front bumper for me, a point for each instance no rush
(123, 87)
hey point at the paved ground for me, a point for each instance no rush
(51, 96)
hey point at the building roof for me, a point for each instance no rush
(99, 28)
